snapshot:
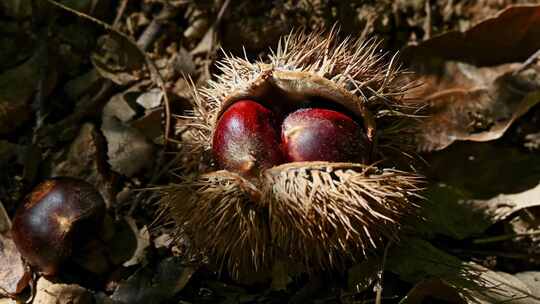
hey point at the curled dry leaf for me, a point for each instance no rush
(510, 36)
(467, 103)
(481, 112)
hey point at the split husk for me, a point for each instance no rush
(319, 215)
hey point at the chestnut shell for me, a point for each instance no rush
(54, 218)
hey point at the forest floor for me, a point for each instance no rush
(82, 94)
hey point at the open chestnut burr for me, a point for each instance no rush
(299, 147)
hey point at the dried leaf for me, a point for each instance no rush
(118, 60)
(143, 242)
(7, 151)
(480, 113)
(150, 99)
(416, 260)
(493, 183)
(129, 151)
(435, 289)
(18, 9)
(531, 279)
(5, 222)
(533, 141)
(510, 36)
(123, 244)
(51, 293)
(118, 106)
(151, 125)
(86, 159)
(361, 276)
(14, 276)
(16, 87)
(154, 284)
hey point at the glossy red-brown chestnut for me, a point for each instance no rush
(246, 139)
(59, 215)
(323, 135)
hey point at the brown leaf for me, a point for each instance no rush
(433, 288)
(143, 242)
(154, 284)
(5, 222)
(13, 275)
(16, 88)
(51, 293)
(86, 159)
(480, 113)
(129, 151)
(510, 36)
(416, 260)
(118, 60)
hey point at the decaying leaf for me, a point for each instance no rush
(494, 182)
(5, 222)
(86, 158)
(531, 279)
(51, 293)
(14, 276)
(118, 60)
(361, 276)
(511, 36)
(473, 103)
(143, 241)
(154, 284)
(433, 288)
(533, 141)
(481, 112)
(17, 86)
(129, 151)
(416, 260)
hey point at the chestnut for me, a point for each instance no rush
(246, 139)
(57, 217)
(316, 134)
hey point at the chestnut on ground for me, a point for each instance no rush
(56, 216)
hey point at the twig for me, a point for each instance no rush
(120, 13)
(427, 22)
(379, 285)
(516, 256)
(527, 62)
(154, 71)
(150, 33)
(504, 237)
(84, 109)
